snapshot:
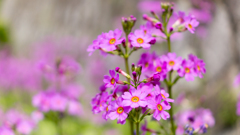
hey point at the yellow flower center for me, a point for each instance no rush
(112, 41)
(187, 70)
(107, 108)
(190, 26)
(190, 129)
(206, 125)
(145, 32)
(140, 40)
(159, 107)
(120, 110)
(135, 99)
(112, 81)
(198, 68)
(171, 63)
(159, 69)
(146, 64)
(163, 96)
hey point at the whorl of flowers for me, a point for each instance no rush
(143, 94)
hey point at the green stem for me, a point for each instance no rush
(170, 90)
(127, 68)
(128, 79)
(169, 43)
(137, 128)
(171, 110)
(60, 127)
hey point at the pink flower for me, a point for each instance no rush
(110, 81)
(187, 70)
(160, 67)
(96, 44)
(191, 23)
(58, 102)
(25, 127)
(37, 116)
(98, 101)
(111, 40)
(6, 131)
(164, 94)
(42, 101)
(140, 39)
(199, 65)
(134, 99)
(237, 81)
(173, 62)
(118, 111)
(74, 108)
(159, 108)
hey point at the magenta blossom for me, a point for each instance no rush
(118, 111)
(173, 62)
(187, 70)
(140, 39)
(134, 99)
(160, 67)
(96, 44)
(163, 93)
(74, 108)
(191, 23)
(146, 60)
(199, 65)
(58, 102)
(25, 127)
(98, 101)
(111, 40)
(110, 81)
(159, 108)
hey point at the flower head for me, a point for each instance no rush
(199, 65)
(140, 39)
(159, 106)
(173, 62)
(119, 111)
(160, 67)
(135, 98)
(191, 23)
(187, 70)
(110, 81)
(58, 102)
(111, 40)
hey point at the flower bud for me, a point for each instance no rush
(133, 67)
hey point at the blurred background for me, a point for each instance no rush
(34, 29)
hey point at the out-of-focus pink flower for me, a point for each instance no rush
(237, 81)
(37, 116)
(58, 102)
(25, 127)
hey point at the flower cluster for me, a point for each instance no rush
(14, 120)
(161, 65)
(144, 98)
(58, 101)
(194, 121)
(111, 41)
(137, 98)
(61, 94)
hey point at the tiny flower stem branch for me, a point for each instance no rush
(176, 79)
(145, 113)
